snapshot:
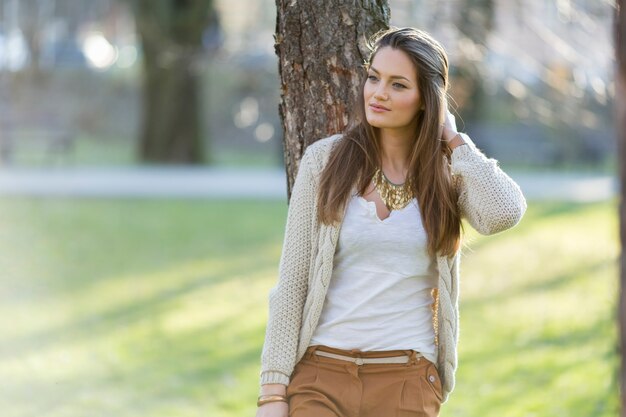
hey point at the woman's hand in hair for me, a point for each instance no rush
(450, 134)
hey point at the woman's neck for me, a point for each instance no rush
(396, 146)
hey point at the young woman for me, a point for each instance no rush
(363, 321)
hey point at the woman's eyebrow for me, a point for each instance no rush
(393, 76)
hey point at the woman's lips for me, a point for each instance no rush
(378, 109)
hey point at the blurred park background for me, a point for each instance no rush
(154, 303)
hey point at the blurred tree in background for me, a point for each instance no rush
(474, 22)
(171, 33)
(319, 70)
(123, 81)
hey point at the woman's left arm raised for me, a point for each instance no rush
(488, 198)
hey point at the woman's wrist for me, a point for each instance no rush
(456, 141)
(273, 389)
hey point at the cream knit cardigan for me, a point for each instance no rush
(488, 199)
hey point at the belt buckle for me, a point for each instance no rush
(358, 361)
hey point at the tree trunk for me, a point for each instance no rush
(171, 36)
(620, 118)
(171, 111)
(321, 48)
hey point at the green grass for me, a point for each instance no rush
(158, 308)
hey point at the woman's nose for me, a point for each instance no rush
(380, 94)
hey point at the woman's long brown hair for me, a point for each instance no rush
(358, 153)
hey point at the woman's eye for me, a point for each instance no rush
(399, 85)
(371, 77)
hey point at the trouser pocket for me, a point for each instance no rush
(421, 394)
(434, 381)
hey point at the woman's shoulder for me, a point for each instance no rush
(324, 144)
(320, 149)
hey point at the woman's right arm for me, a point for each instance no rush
(287, 297)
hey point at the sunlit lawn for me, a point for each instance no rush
(158, 308)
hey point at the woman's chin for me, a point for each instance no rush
(374, 121)
(377, 123)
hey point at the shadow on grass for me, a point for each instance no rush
(532, 368)
(548, 284)
(76, 243)
(99, 322)
(520, 347)
(199, 368)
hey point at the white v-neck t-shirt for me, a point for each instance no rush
(379, 297)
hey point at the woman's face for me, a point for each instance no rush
(392, 86)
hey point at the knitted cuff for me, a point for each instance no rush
(274, 377)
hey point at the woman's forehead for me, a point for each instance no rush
(393, 63)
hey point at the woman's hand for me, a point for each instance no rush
(449, 132)
(273, 409)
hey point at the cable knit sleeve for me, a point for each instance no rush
(287, 297)
(488, 198)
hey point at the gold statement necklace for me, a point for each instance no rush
(395, 196)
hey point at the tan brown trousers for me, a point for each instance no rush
(328, 387)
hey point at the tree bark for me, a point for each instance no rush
(171, 37)
(321, 47)
(620, 118)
